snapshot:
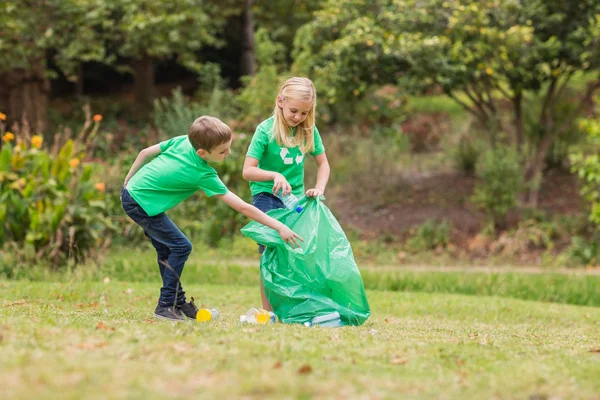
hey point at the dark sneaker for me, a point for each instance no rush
(173, 313)
(189, 309)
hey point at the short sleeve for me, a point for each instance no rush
(212, 185)
(319, 148)
(167, 143)
(258, 144)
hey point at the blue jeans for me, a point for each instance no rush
(266, 201)
(172, 248)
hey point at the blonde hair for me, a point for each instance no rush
(299, 89)
(208, 132)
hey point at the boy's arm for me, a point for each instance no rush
(322, 176)
(251, 172)
(289, 236)
(145, 155)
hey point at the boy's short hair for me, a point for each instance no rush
(208, 132)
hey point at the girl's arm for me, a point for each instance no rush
(322, 176)
(288, 235)
(251, 172)
(145, 155)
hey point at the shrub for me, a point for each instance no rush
(500, 181)
(466, 155)
(587, 167)
(49, 202)
(585, 251)
(430, 236)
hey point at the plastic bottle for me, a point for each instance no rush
(331, 320)
(205, 315)
(291, 202)
(256, 316)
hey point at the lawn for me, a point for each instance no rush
(97, 339)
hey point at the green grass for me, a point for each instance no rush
(76, 339)
(216, 266)
(436, 103)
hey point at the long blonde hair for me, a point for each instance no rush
(299, 89)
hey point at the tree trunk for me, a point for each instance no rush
(27, 93)
(144, 81)
(535, 169)
(248, 62)
(518, 109)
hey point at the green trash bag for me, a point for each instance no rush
(317, 279)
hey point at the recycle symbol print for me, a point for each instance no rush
(290, 160)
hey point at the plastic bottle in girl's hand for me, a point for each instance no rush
(291, 202)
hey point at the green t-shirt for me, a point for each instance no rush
(172, 176)
(271, 157)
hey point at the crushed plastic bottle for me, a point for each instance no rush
(331, 320)
(256, 316)
(291, 202)
(205, 315)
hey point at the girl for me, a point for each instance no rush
(275, 157)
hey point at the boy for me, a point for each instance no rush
(164, 175)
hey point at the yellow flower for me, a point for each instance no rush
(36, 141)
(8, 137)
(2, 116)
(370, 42)
(489, 71)
(100, 186)
(97, 118)
(356, 92)
(74, 162)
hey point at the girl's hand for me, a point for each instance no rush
(289, 236)
(314, 192)
(280, 183)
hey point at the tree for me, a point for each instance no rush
(248, 60)
(32, 32)
(481, 54)
(282, 18)
(586, 164)
(149, 30)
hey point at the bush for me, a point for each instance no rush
(173, 116)
(50, 206)
(382, 107)
(500, 181)
(587, 167)
(466, 155)
(257, 98)
(425, 130)
(430, 236)
(585, 251)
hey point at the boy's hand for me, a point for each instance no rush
(314, 192)
(280, 183)
(289, 236)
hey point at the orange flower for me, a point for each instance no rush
(100, 186)
(8, 137)
(489, 71)
(36, 141)
(74, 162)
(97, 118)
(2, 116)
